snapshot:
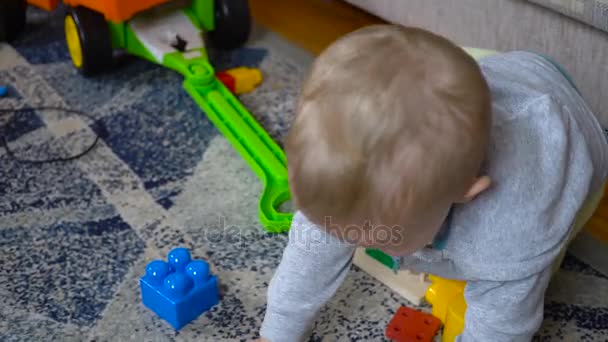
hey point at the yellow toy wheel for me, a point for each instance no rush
(88, 39)
(73, 40)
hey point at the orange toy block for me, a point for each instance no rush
(113, 10)
(47, 5)
(116, 10)
(409, 325)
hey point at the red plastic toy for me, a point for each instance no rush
(409, 325)
(240, 80)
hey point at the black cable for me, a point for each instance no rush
(98, 127)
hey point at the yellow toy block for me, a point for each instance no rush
(447, 298)
(246, 79)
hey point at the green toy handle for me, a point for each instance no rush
(247, 136)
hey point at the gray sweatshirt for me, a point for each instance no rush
(547, 154)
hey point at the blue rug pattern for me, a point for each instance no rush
(75, 237)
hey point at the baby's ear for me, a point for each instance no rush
(479, 186)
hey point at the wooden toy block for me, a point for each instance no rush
(409, 285)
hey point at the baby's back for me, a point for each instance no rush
(547, 155)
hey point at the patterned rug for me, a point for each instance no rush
(75, 237)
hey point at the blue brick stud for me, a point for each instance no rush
(179, 258)
(180, 289)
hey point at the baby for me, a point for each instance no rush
(466, 170)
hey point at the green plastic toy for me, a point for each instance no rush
(226, 112)
(254, 144)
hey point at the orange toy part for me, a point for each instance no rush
(47, 5)
(116, 10)
(409, 325)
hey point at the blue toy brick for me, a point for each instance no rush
(3, 91)
(179, 290)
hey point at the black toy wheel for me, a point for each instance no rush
(232, 24)
(88, 38)
(12, 18)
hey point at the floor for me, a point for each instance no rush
(314, 24)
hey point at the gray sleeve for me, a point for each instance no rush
(504, 311)
(313, 266)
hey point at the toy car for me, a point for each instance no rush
(94, 27)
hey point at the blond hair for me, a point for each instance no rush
(391, 122)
